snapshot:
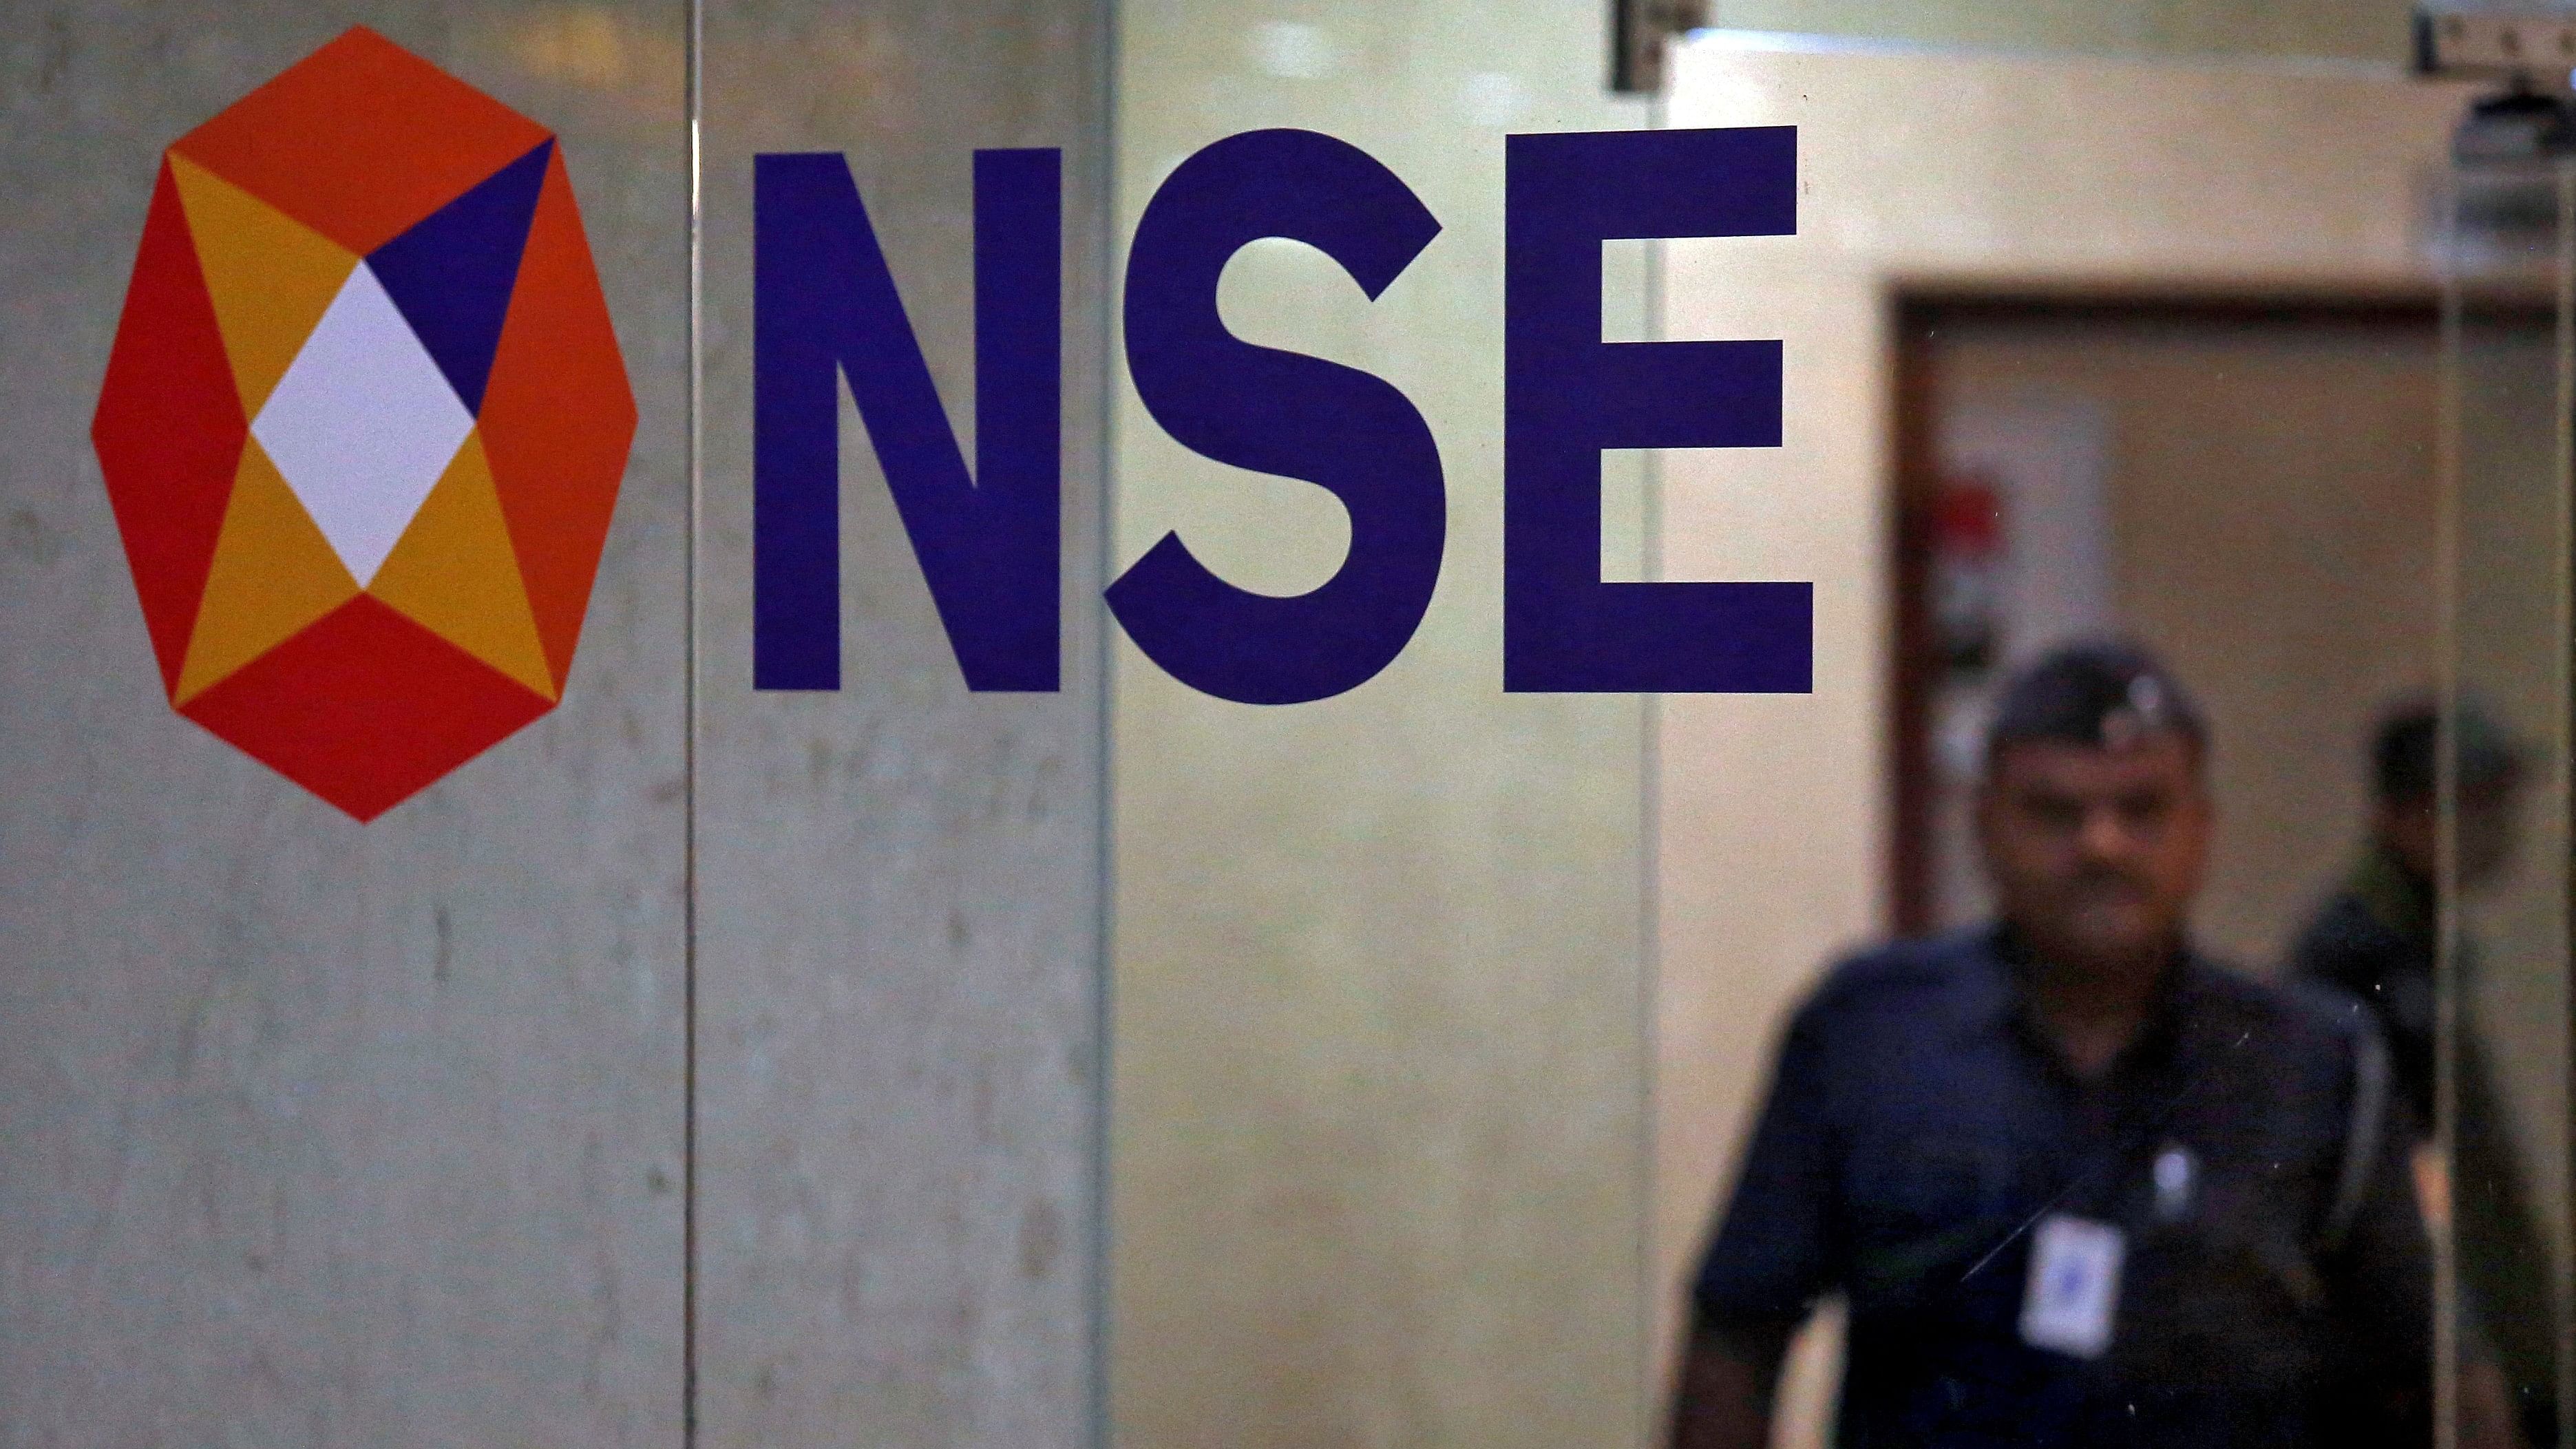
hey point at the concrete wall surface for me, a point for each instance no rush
(900, 899)
(315, 1133)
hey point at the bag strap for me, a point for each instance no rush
(2361, 1137)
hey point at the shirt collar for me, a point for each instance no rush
(2003, 1001)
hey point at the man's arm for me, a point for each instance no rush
(1729, 1376)
(1774, 1251)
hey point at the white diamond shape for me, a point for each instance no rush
(362, 424)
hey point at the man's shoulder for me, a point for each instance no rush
(2347, 942)
(2344, 916)
(2294, 1015)
(1958, 973)
(1907, 977)
(1885, 1025)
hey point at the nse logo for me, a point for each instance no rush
(827, 309)
(365, 418)
(363, 423)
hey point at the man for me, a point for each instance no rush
(2078, 1185)
(2377, 938)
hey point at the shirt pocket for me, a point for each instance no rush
(1924, 1208)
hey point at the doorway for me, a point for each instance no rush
(2247, 486)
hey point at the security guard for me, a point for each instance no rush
(2078, 1185)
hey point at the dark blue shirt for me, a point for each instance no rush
(2275, 1284)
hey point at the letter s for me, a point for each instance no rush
(1346, 431)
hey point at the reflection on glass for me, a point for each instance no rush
(1379, 1063)
(2076, 1182)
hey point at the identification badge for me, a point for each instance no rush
(2074, 1285)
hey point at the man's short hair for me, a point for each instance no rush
(2403, 766)
(2102, 693)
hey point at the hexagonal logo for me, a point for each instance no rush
(364, 423)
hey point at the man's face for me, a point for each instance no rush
(2096, 852)
(2490, 817)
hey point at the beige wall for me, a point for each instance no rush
(2272, 499)
(2072, 174)
(2365, 30)
(1378, 1150)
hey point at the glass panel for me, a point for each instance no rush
(899, 904)
(2504, 1002)
(1379, 1132)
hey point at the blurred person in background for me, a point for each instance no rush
(2078, 1185)
(2378, 937)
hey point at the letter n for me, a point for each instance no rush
(825, 307)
